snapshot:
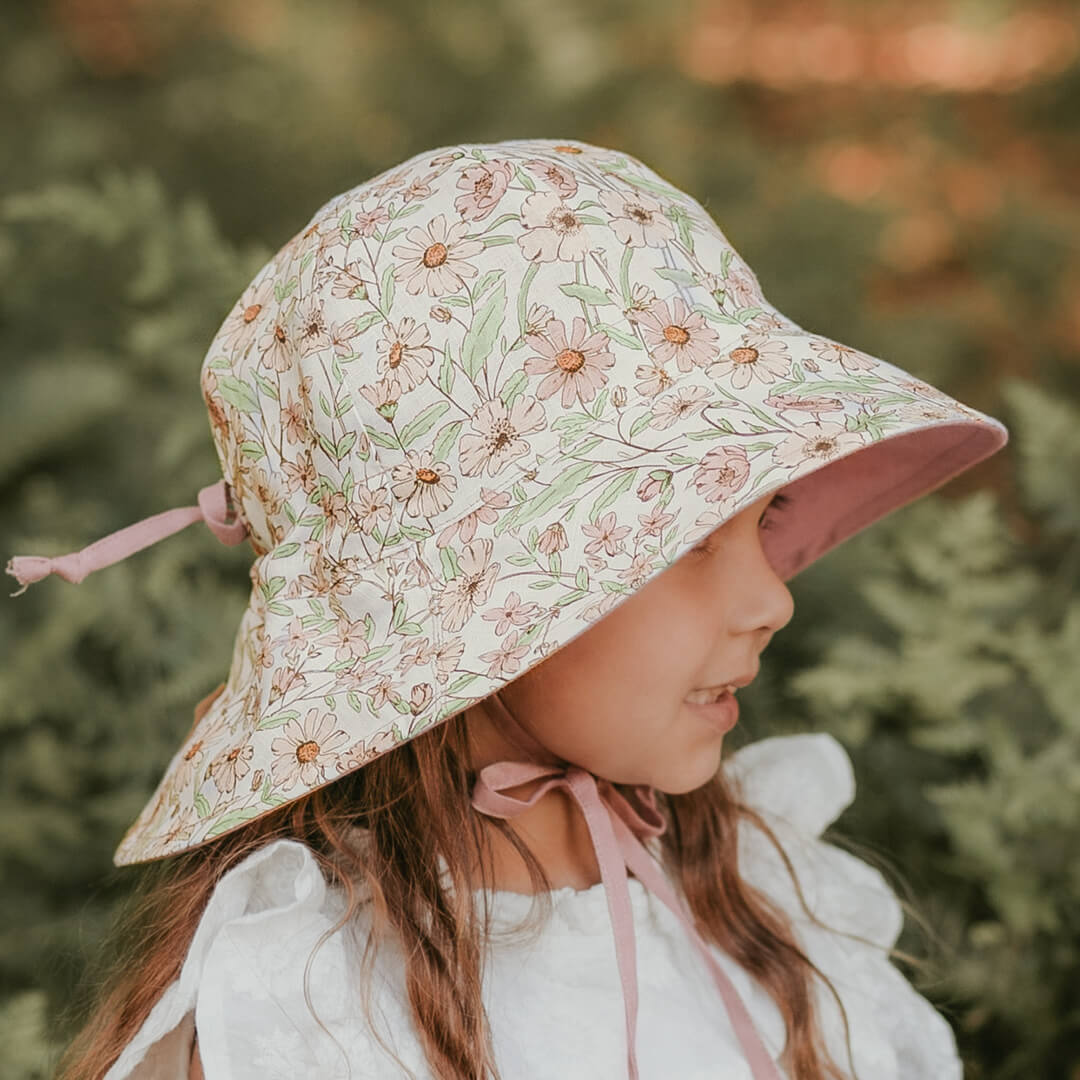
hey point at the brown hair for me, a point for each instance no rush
(395, 870)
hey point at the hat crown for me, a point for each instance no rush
(405, 355)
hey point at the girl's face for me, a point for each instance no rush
(612, 700)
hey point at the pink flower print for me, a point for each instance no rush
(436, 258)
(654, 379)
(506, 659)
(722, 472)
(513, 612)
(921, 411)
(553, 232)
(275, 347)
(300, 474)
(602, 606)
(555, 176)
(538, 317)
(295, 420)
(758, 357)
(485, 183)
(349, 283)
(368, 221)
(312, 333)
(283, 680)
(370, 507)
(608, 534)
(818, 441)
(636, 219)
(341, 335)
(768, 322)
(916, 386)
(240, 326)
(304, 751)
(638, 570)
(390, 183)
(683, 403)
(403, 353)
(383, 692)
(335, 510)
(365, 750)
(673, 332)
(499, 434)
(465, 528)
(851, 360)
(743, 287)
(349, 639)
(642, 298)
(426, 486)
(293, 641)
(553, 539)
(574, 366)
(815, 405)
(655, 523)
(447, 658)
(464, 594)
(229, 767)
(419, 188)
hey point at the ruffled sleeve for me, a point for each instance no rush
(800, 784)
(242, 981)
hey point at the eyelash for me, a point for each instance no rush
(779, 501)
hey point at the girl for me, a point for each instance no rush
(526, 460)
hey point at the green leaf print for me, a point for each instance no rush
(237, 392)
(589, 293)
(481, 335)
(423, 423)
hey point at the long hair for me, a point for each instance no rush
(394, 871)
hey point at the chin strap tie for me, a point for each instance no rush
(213, 509)
(615, 827)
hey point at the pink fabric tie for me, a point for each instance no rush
(614, 826)
(212, 508)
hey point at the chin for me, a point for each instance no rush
(690, 777)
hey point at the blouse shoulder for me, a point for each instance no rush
(264, 913)
(800, 784)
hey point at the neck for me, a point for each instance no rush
(554, 829)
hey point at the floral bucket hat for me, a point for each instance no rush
(474, 404)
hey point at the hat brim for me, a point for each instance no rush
(392, 663)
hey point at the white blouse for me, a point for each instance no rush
(554, 1001)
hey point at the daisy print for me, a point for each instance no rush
(636, 219)
(304, 751)
(498, 434)
(240, 326)
(555, 176)
(436, 258)
(575, 366)
(758, 357)
(404, 354)
(686, 401)
(426, 486)
(851, 360)
(673, 332)
(228, 768)
(817, 442)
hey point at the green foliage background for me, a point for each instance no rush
(155, 155)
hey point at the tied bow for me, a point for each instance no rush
(213, 509)
(615, 827)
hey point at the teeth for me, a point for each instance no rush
(706, 697)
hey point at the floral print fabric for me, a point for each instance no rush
(478, 401)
